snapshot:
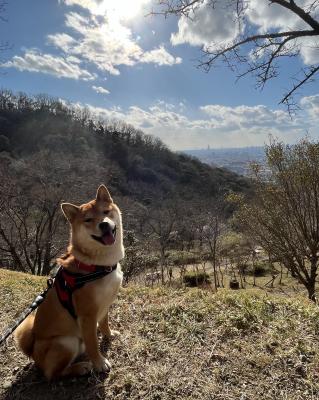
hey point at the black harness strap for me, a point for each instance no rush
(67, 282)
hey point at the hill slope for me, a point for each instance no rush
(133, 164)
(182, 344)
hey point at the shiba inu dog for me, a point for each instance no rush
(65, 324)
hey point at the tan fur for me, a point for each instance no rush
(53, 338)
(24, 335)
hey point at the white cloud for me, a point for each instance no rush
(89, 4)
(98, 38)
(119, 9)
(250, 117)
(309, 50)
(107, 44)
(216, 125)
(311, 105)
(267, 17)
(207, 26)
(62, 40)
(100, 89)
(213, 26)
(160, 56)
(310, 101)
(61, 67)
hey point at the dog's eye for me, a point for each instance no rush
(88, 220)
(106, 212)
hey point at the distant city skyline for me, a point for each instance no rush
(121, 64)
(236, 159)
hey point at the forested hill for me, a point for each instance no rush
(75, 142)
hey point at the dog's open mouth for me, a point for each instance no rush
(107, 238)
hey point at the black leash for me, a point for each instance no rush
(37, 301)
(60, 281)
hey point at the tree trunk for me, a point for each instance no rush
(311, 286)
(221, 275)
(213, 254)
(254, 271)
(312, 291)
(241, 278)
(281, 272)
(162, 265)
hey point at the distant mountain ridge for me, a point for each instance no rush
(235, 159)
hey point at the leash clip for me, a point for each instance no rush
(109, 268)
(50, 283)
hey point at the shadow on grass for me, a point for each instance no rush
(30, 384)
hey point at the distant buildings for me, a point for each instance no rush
(234, 159)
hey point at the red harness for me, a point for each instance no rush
(66, 282)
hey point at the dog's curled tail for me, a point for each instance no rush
(24, 335)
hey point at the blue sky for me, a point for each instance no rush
(106, 55)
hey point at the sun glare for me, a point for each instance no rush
(121, 9)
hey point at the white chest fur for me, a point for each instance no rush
(106, 290)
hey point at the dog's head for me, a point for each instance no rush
(95, 225)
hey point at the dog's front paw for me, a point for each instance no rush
(83, 368)
(102, 365)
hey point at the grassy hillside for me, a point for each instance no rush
(182, 344)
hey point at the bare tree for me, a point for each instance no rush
(30, 216)
(211, 235)
(160, 223)
(284, 215)
(257, 53)
(32, 229)
(29, 241)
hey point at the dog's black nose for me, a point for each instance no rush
(105, 227)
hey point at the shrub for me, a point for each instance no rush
(178, 257)
(233, 284)
(193, 279)
(262, 268)
(136, 260)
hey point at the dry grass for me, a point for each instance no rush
(182, 344)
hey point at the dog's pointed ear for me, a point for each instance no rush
(103, 195)
(70, 211)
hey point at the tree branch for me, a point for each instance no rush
(292, 6)
(290, 34)
(313, 71)
(238, 52)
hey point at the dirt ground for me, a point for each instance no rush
(180, 344)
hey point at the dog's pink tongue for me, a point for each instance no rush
(108, 238)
